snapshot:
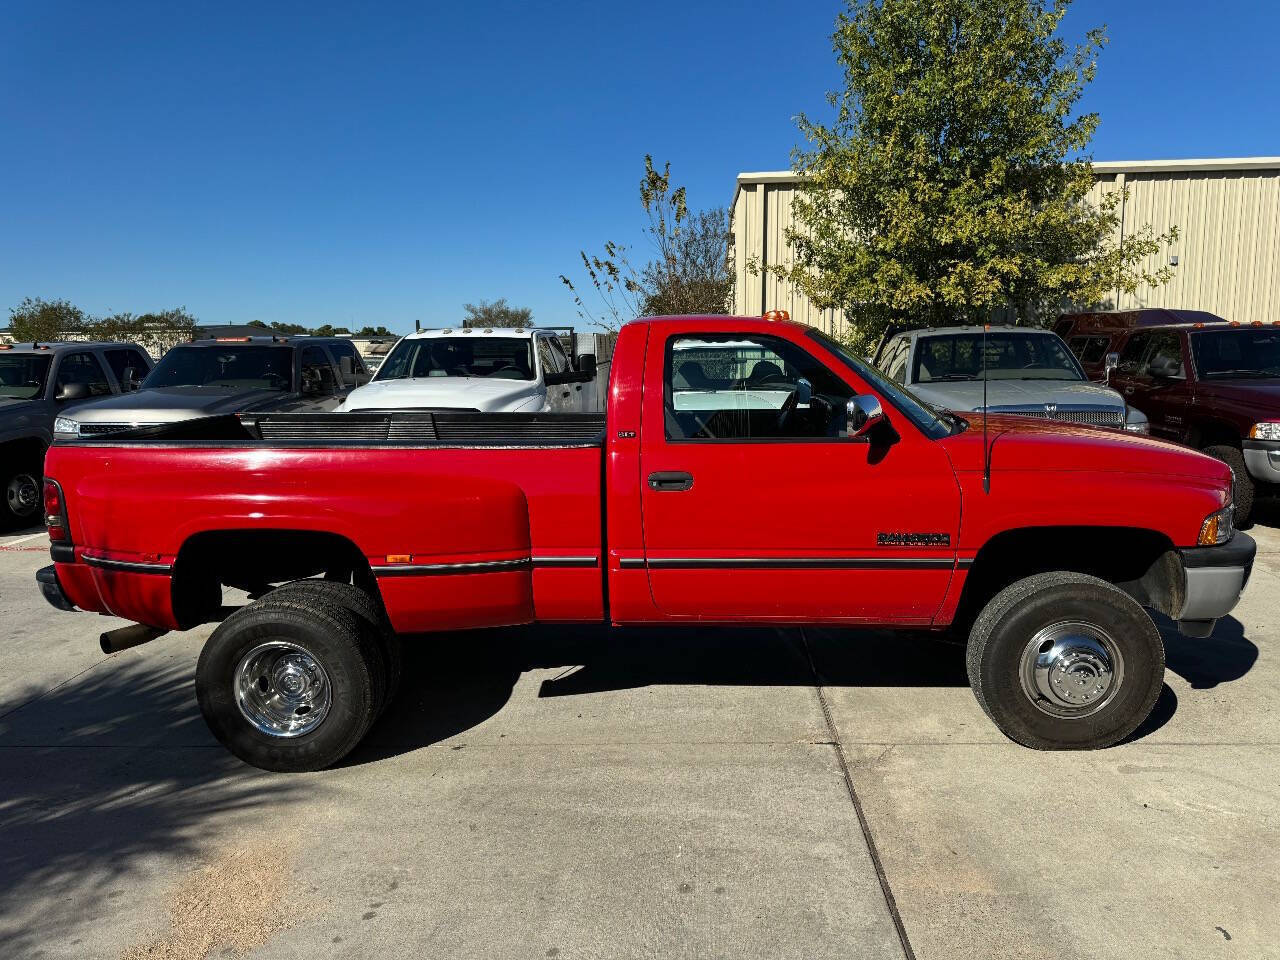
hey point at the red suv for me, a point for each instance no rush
(1201, 380)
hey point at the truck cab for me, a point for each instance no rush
(489, 369)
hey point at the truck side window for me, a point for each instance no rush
(347, 351)
(1089, 349)
(1131, 355)
(317, 373)
(897, 368)
(84, 368)
(122, 359)
(550, 361)
(738, 387)
(1165, 357)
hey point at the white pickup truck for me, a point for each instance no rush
(488, 370)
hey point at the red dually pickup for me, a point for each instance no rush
(746, 471)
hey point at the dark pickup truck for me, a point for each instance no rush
(40, 382)
(1203, 381)
(746, 471)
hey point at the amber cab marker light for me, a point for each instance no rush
(233, 339)
(776, 315)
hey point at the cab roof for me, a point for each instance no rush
(523, 333)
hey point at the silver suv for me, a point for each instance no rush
(1029, 372)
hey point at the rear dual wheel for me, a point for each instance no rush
(1065, 661)
(293, 681)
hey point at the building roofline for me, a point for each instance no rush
(1100, 166)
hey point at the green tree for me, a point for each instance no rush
(37, 319)
(952, 181)
(496, 314)
(378, 331)
(691, 270)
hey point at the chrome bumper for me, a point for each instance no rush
(1262, 459)
(1213, 578)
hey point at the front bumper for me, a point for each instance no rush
(1262, 459)
(1213, 579)
(47, 580)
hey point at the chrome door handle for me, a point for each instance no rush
(670, 480)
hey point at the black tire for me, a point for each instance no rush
(1002, 635)
(21, 487)
(1244, 485)
(371, 614)
(336, 643)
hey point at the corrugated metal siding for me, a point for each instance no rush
(1228, 247)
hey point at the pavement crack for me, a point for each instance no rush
(890, 902)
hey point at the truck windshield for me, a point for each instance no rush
(1238, 352)
(22, 376)
(1010, 356)
(503, 358)
(933, 423)
(233, 366)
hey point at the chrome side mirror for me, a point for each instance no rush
(1110, 363)
(804, 393)
(864, 413)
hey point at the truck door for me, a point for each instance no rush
(755, 506)
(1153, 378)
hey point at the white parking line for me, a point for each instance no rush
(31, 536)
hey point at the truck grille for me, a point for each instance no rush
(100, 429)
(1093, 416)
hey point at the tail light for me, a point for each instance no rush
(55, 513)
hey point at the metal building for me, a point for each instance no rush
(1227, 255)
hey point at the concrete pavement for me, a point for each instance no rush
(588, 793)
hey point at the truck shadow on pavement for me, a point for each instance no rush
(102, 776)
(458, 681)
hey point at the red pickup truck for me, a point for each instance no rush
(747, 471)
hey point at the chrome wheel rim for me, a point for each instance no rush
(282, 689)
(23, 494)
(1071, 669)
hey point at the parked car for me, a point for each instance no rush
(228, 375)
(1028, 372)
(480, 369)
(795, 484)
(39, 382)
(1207, 382)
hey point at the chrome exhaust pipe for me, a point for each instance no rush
(134, 635)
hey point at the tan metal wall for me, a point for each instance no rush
(1228, 249)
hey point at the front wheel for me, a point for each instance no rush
(1243, 488)
(1065, 661)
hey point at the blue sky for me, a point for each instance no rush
(381, 163)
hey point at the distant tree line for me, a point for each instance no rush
(42, 320)
(325, 330)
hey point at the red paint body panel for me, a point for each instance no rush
(550, 513)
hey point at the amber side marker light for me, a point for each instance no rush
(399, 558)
(782, 315)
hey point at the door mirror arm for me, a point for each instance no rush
(1112, 361)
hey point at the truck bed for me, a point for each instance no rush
(487, 519)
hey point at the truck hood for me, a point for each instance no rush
(486, 394)
(1027, 444)
(967, 394)
(168, 404)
